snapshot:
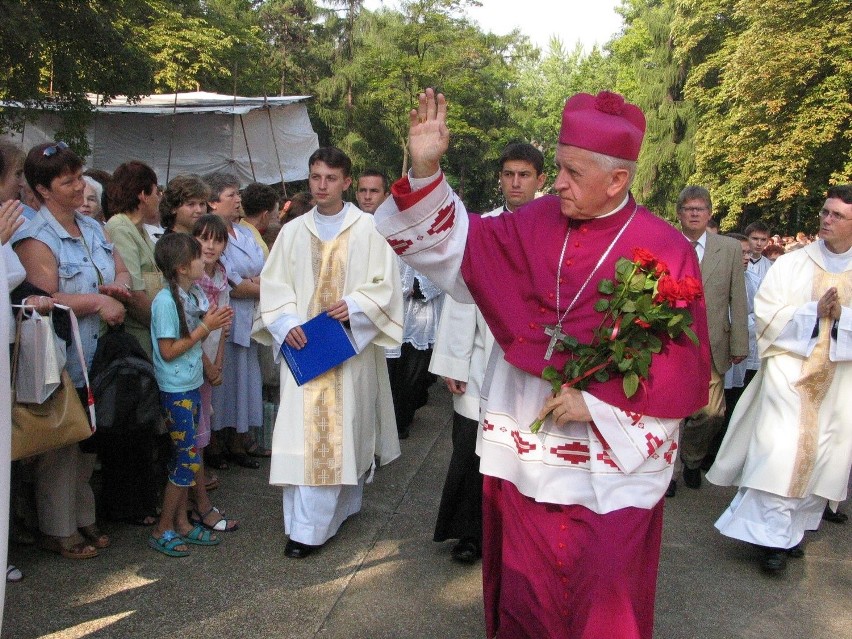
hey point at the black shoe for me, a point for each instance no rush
(298, 550)
(692, 477)
(403, 433)
(834, 517)
(215, 460)
(774, 560)
(671, 491)
(796, 552)
(466, 551)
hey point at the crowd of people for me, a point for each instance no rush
(88, 240)
(217, 283)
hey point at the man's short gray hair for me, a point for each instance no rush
(693, 192)
(610, 163)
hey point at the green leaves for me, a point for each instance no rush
(630, 384)
(550, 374)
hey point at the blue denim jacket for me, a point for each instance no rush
(78, 272)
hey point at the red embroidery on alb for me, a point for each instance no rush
(400, 246)
(573, 452)
(669, 454)
(605, 458)
(635, 418)
(522, 445)
(443, 219)
(486, 425)
(653, 442)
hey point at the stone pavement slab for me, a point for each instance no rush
(382, 577)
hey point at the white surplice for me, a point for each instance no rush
(462, 349)
(788, 446)
(361, 409)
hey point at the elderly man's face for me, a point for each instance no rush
(584, 187)
(694, 216)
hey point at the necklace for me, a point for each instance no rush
(555, 331)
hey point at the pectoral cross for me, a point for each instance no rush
(556, 334)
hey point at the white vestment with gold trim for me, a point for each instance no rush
(789, 436)
(330, 430)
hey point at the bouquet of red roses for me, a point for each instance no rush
(642, 306)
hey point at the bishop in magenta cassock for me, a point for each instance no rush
(573, 514)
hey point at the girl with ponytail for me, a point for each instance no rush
(181, 318)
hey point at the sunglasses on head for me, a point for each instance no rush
(53, 149)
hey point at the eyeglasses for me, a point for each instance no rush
(53, 149)
(693, 209)
(834, 217)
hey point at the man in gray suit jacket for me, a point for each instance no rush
(727, 316)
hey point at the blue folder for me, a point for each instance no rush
(329, 345)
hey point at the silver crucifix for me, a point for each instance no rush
(556, 334)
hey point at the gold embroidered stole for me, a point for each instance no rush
(817, 375)
(323, 396)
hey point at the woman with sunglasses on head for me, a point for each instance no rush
(67, 255)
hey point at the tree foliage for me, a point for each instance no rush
(775, 104)
(750, 98)
(184, 48)
(545, 80)
(653, 77)
(58, 50)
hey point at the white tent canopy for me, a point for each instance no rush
(264, 140)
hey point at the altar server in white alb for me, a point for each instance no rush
(462, 350)
(330, 430)
(789, 444)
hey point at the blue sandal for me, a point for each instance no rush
(200, 537)
(167, 544)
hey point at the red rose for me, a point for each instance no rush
(661, 269)
(691, 289)
(667, 290)
(644, 258)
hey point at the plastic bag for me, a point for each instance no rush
(41, 359)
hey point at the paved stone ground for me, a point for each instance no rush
(382, 577)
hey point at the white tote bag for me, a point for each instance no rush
(41, 358)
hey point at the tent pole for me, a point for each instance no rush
(171, 136)
(248, 150)
(275, 146)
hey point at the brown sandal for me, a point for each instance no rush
(94, 536)
(64, 546)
